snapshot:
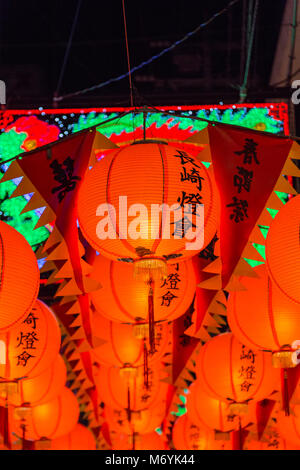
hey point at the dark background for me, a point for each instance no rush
(207, 68)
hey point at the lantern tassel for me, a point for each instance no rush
(146, 371)
(128, 405)
(133, 441)
(151, 318)
(285, 392)
(4, 426)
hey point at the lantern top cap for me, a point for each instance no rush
(150, 141)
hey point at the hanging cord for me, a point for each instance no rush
(151, 317)
(127, 53)
(153, 58)
(250, 39)
(62, 71)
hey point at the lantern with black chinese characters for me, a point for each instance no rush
(31, 346)
(20, 277)
(138, 179)
(264, 318)
(282, 250)
(150, 441)
(233, 372)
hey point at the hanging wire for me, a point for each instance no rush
(293, 43)
(250, 39)
(127, 53)
(62, 71)
(153, 58)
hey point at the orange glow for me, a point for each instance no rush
(283, 251)
(262, 316)
(80, 438)
(32, 345)
(125, 299)
(147, 174)
(19, 275)
(228, 370)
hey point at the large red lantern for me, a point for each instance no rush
(19, 276)
(150, 441)
(35, 391)
(146, 174)
(282, 249)
(229, 370)
(206, 411)
(80, 438)
(262, 316)
(49, 420)
(124, 344)
(125, 388)
(32, 345)
(187, 435)
(125, 299)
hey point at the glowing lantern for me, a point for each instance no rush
(263, 317)
(228, 370)
(126, 389)
(142, 422)
(206, 411)
(150, 441)
(19, 277)
(271, 440)
(290, 426)
(50, 420)
(189, 436)
(147, 174)
(32, 345)
(40, 389)
(123, 345)
(80, 438)
(125, 299)
(282, 249)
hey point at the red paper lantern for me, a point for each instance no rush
(151, 441)
(206, 411)
(125, 388)
(32, 345)
(142, 422)
(125, 299)
(147, 174)
(50, 420)
(282, 249)
(189, 436)
(228, 370)
(123, 344)
(19, 275)
(40, 389)
(80, 438)
(262, 316)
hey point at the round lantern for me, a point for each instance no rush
(120, 197)
(189, 436)
(50, 420)
(40, 389)
(125, 388)
(290, 426)
(142, 422)
(150, 441)
(19, 276)
(229, 370)
(282, 249)
(32, 345)
(123, 344)
(271, 440)
(80, 438)
(262, 316)
(206, 411)
(125, 299)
